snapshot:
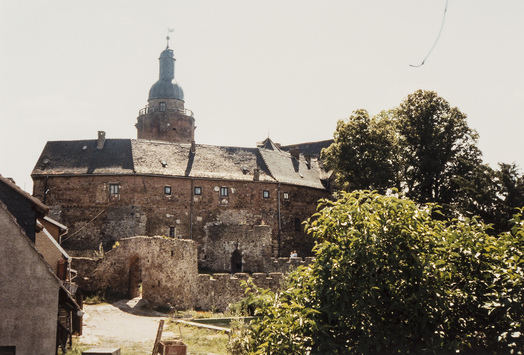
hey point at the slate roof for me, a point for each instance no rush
(13, 196)
(137, 156)
(82, 157)
(311, 148)
(24, 207)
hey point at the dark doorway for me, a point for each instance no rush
(7, 350)
(236, 261)
(135, 277)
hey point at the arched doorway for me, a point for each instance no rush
(236, 261)
(135, 277)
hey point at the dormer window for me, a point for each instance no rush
(162, 107)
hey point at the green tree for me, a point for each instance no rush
(362, 155)
(437, 145)
(388, 278)
(493, 195)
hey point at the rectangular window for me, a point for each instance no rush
(167, 190)
(162, 107)
(286, 195)
(198, 190)
(171, 232)
(265, 194)
(224, 192)
(114, 191)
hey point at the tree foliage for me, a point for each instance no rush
(425, 149)
(363, 154)
(388, 278)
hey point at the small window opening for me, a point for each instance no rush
(286, 195)
(167, 190)
(172, 233)
(162, 106)
(198, 190)
(114, 191)
(265, 194)
(224, 191)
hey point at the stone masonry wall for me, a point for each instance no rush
(252, 243)
(165, 268)
(95, 217)
(168, 272)
(217, 291)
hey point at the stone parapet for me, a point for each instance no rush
(217, 291)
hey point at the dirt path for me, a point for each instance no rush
(126, 324)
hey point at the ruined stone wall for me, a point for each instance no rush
(251, 244)
(286, 265)
(166, 269)
(217, 291)
(142, 207)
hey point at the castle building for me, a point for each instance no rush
(240, 205)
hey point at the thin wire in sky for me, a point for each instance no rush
(439, 33)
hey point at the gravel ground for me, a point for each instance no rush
(125, 324)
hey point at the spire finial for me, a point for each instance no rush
(169, 30)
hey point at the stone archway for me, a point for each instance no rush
(236, 261)
(135, 277)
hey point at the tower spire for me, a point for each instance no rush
(169, 30)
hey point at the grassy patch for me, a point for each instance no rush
(200, 340)
(127, 349)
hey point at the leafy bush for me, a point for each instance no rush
(388, 278)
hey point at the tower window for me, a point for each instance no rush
(114, 191)
(198, 190)
(224, 191)
(162, 107)
(167, 190)
(265, 194)
(171, 232)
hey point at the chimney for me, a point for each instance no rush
(193, 147)
(101, 140)
(295, 153)
(308, 160)
(256, 174)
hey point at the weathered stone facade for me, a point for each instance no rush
(219, 224)
(217, 208)
(166, 271)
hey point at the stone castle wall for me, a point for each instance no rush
(94, 216)
(168, 272)
(165, 268)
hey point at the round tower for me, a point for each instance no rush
(165, 118)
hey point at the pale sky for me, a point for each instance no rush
(249, 69)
